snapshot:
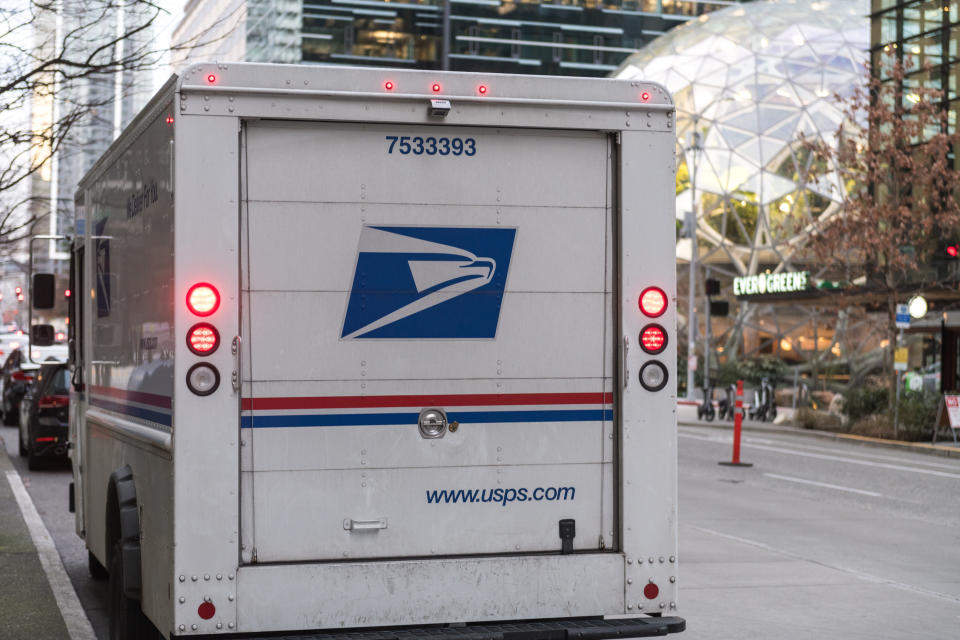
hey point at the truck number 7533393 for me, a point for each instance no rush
(431, 146)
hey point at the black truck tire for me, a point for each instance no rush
(127, 621)
(97, 570)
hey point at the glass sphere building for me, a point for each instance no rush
(751, 82)
(748, 82)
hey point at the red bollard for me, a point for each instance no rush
(737, 426)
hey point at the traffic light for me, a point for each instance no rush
(720, 308)
(713, 287)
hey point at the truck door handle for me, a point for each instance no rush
(623, 360)
(238, 352)
(364, 525)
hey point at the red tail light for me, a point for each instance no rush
(46, 439)
(653, 301)
(203, 299)
(653, 338)
(53, 402)
(22, 376)
(203, 339)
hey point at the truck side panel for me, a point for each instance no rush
(128, 346)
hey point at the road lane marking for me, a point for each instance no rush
(856, 454)
(866, 577)
(835, 458)
(873, 494)
(74, 617)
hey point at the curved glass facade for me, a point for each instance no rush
(750, 82)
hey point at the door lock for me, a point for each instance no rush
(432, 423)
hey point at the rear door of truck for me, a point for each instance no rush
(390, 270)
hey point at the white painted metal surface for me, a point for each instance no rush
(498, 285)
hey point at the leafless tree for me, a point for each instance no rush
(900, 183)
(63, 66)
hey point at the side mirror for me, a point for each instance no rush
(42, 291)
(41, 335)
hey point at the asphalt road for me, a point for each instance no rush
(819, 539)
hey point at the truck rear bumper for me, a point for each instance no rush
(590, 629)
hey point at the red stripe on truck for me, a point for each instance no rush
(468, 400)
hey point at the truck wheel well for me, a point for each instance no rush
(123, 526)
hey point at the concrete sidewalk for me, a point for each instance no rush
(687, 415)
(28, 608)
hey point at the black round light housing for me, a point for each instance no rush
(203, 379)
(653, 339)
(203, 339)
(653, 376)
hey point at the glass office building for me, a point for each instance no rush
(561, 37)
(928, 33)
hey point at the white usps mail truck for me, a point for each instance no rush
(377, 351)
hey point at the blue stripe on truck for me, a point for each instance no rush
(370, 419)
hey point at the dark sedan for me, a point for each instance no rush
(16, 376)
(44, 428)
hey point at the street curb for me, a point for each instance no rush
(30, 608)
(916, 447)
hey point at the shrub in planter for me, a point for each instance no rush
(866, 401)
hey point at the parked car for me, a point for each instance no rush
(15, 376)
(44, 410)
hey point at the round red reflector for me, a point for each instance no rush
(653, 338)
(203, 299)
(651, 591)
(388, 85)
(482, 89)
(211, 78)
(203, 339)
(206, 610)
(645, 96)
(653, 301)
(436, 87)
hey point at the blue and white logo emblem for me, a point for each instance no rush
(428, 282)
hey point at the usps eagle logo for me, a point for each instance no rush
(428, 282)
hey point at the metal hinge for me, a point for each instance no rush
(616, 137)
(253, 555)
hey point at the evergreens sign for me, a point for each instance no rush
(771, 283)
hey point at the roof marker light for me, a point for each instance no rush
(203, 299)
(482, 89)
(436, 87)
(645, 96)
(388, 85)
(211, 78)
(169, 119)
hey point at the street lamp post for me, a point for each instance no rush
(695, 148)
